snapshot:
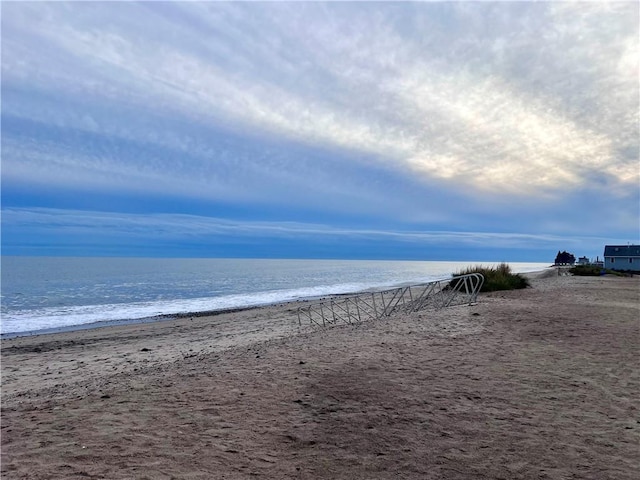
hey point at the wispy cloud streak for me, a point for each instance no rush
(175, 226)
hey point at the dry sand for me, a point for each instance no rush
(541, 383)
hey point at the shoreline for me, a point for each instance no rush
(533, 383)
(123, 322)
(203, 313)
(165, 317)
(169, 316)
(223, 329)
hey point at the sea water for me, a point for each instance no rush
(44, 293)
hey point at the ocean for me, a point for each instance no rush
(43, 294)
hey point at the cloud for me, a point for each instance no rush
(518, 118)
(354, 77)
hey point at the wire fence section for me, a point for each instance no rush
(361, 307)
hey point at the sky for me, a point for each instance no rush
(489, 131)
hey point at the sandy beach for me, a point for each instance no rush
(541, 383)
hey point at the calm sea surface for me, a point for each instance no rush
(41, 293)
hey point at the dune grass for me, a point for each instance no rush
(586, 270)
(594, 271)
(495, 278)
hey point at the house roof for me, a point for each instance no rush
(622, 251)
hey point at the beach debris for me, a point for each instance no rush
(356, 308)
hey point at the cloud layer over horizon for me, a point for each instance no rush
(512, 118)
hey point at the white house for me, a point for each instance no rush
(583, 261)
(622, 257)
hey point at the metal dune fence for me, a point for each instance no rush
(361, 307)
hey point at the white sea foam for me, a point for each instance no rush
(65, 293)
(61, 317)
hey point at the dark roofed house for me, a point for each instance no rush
(622, 257)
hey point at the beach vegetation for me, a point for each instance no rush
(587, 270)
(594, 271)
(495, 278)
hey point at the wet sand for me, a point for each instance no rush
(538, 383)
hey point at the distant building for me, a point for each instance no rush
(622, 257)
(583, 261)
